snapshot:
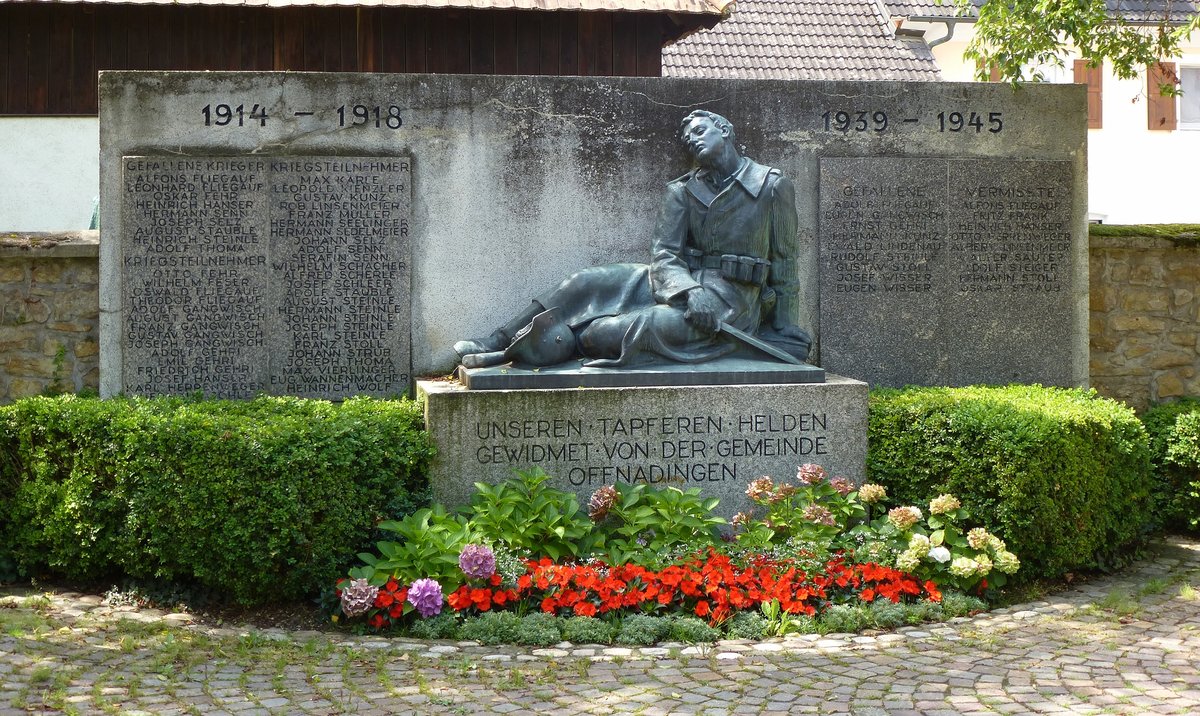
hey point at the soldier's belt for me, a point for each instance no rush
(742, 269)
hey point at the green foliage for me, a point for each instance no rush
(259, 500)
(430, 543)
(491, 628)
(814, 511)
(1019, 37)
(746, 625)
(888, 615)
(1062, 476)
(588, 630)
(441, 626)
(646, 523)
(539, 629)
(692, 630)
(643, 630)
(1174, 430)
(781, 623)
(528, 515)
(961, 605)
(844, 619)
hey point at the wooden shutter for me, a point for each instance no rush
(993, 71)
(1160, 110)
(1093, 77)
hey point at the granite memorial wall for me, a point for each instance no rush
(512, 183)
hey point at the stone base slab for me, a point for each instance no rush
(572, 374)
(717, 438)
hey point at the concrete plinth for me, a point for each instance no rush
(717, 438)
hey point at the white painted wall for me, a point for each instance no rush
(49, 172)
(1135, 176)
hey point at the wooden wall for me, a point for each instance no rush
(50, 52)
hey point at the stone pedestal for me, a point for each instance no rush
(717, 438)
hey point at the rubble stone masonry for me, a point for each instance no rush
(49, 314)
(1145, 318)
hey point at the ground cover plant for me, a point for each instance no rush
(645, 564)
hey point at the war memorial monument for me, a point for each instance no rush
(631, 297)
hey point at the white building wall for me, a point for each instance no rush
(1135, 176)
(49, 172)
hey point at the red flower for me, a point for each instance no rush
(585, 609)
(702, 608)
(935, 595)
(397, 610)
(495, 580)
(392, 585)
(377, 621)
(868, 595)
(460, 599)
(481, 599)
(384, 599)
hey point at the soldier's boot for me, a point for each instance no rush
(501, 337)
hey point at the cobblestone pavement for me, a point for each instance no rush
(1126, 644)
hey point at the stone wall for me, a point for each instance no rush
(1145, 318)
(49, 313)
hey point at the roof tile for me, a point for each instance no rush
(801, 39)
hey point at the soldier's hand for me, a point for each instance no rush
(703, 310)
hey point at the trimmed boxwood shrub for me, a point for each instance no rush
(1062, 475)
(1174, 430)
(259, 500)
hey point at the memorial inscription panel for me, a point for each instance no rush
(946, 271)
(285, 275)
(717, 439)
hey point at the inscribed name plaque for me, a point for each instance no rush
(284, 275)
(947, 271)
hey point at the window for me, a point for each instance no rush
(1189, 101)
(1093, 78)
(1167, 112)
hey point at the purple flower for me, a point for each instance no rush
(477, 561)
(426, 596)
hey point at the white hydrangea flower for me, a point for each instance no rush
(919, 545)
(939, 554)
(1007, 562)
(963, 567)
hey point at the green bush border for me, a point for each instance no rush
(1063, 475)
(261, 500)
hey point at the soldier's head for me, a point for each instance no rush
(707, 135)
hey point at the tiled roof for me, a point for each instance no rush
(689, 7)
(802, 39)
(925, 8)
(1154, 11)
(1137, 11)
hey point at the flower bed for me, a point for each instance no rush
(820, 547)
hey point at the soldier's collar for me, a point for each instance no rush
(751, 175)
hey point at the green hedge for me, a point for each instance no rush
(1175, 443)
(1062, 475)
(259, 500)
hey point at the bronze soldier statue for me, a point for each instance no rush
(722, 276)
